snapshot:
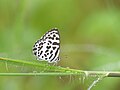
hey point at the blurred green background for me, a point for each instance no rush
(90, 40)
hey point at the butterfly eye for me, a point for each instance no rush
(48, 46)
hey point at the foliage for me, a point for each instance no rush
(89, 31)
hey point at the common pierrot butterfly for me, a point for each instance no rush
(48, 46)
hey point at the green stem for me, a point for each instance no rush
(36, 74)
(41, 65)
(55, 70)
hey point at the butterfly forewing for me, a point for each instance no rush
(48, 46)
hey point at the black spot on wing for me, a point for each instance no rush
(54, 35)
(40, 44)
(41, 52)
(48, 35)
(51, 33)
(36, 45)
(55, 43)
(51, 38)
(49, 41)
(46, 51)
(45, 55)
(48, 44)
(57, 33)
(35, 53)
(57, 38)
(51, 51)
(54, 48)
(48, 47)
(50, 56)
(40, 48)
(34, 49)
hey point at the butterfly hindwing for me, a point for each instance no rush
(48, 46)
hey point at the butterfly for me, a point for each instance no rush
(48, 46)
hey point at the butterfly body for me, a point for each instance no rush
(48, 47)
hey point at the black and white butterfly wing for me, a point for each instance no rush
(48, 46)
